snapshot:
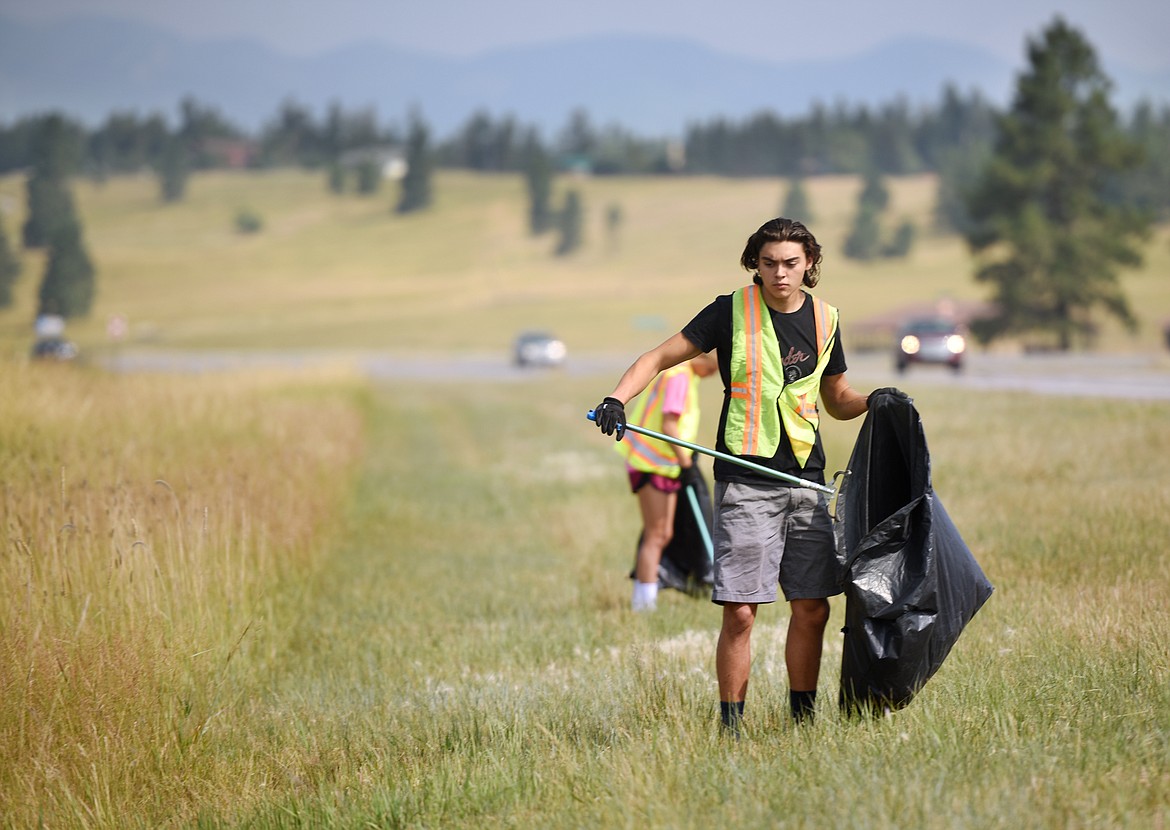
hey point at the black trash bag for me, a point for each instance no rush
(911, 583)
(686, 564)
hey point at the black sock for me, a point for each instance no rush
(731, 711)
(803, 705)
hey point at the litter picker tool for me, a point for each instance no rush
(701, 523)
(751, 465)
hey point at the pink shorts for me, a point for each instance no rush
(639, 479)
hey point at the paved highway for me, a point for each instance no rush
(1117, 376)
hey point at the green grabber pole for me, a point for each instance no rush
(701, 521)
(751, 465)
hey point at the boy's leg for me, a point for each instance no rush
(802, 654)
(733, 656)
(806, 637)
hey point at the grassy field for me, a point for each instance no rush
(452, 648)
(275, 599)
(345, 272)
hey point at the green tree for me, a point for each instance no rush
(614, 218)
(369, 177)
(68, 285)
(1046, 235)
(1149, 185)
(416, 184)
(796, 204)
(174, 167)
(570, 224)
(336, 177)
(902, 241)
(865, 238)
(874, 193)
(958, 172)
(538, 176)
(864, 241)
(9, 269)
(50, 205)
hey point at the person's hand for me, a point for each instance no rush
(610, 416)
(887, 390)
(690, 475)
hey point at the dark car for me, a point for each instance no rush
(53, 348)
(538, 348)
(930, 340)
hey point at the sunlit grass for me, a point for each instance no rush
(347, 272)
(265, 599)
(149, 523)
(454, 647)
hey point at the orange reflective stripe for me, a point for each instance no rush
(652, 455)
(751, 299)
(820, 312)
(639, 448)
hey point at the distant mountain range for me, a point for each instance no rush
(91, 66)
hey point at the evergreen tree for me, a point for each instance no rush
(538, 175)
(958, 172)
(796, 204)
(50, 204)
(67, 287)
(614, 217)
(9, 269)
(874, 194)
(369, 178)
(570, 224)
(1149, 186)
(416, 185)
(902, 241)
(336, 178)
(864, 240)
(1046, 236)
(173, 169)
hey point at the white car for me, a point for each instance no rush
(537, 348)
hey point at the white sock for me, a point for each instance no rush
(645, 596)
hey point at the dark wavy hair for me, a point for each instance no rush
(783, 230)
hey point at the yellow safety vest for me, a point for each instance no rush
(651, 455)
(759, 400)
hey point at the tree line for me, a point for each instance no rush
(894, 139)
(1032, 188)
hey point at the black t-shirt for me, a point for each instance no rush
(797, 333)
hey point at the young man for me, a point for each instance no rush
(779, 351)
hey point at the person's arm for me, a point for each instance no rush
(670, 427)
(643, 370)
(841, 400)
(610, 414)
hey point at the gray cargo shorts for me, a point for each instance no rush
(769, 536)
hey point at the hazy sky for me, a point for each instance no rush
(1129, 31)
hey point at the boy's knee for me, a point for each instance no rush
(811, 612)
(738, 618)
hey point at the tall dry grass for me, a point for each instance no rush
(147, 520)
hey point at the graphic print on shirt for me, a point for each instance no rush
(792, 364)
